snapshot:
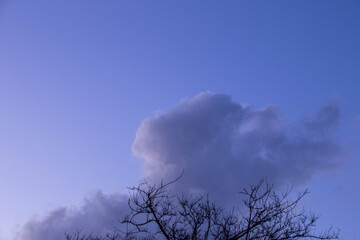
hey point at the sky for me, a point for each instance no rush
(96, 95)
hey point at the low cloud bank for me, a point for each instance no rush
(98, 215)
(223, 146)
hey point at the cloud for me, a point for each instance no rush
(223, 146)
(98, 215)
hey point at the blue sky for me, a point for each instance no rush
(78, 78)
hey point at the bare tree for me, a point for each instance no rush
(157, 213)
(78, 235)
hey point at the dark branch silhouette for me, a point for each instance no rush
(157, 213)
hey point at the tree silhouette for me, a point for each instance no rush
(158, 213)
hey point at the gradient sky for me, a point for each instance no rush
(77, 78)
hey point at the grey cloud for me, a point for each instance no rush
(98, 215)
(222, 145)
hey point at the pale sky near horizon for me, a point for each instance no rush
(77, 78)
